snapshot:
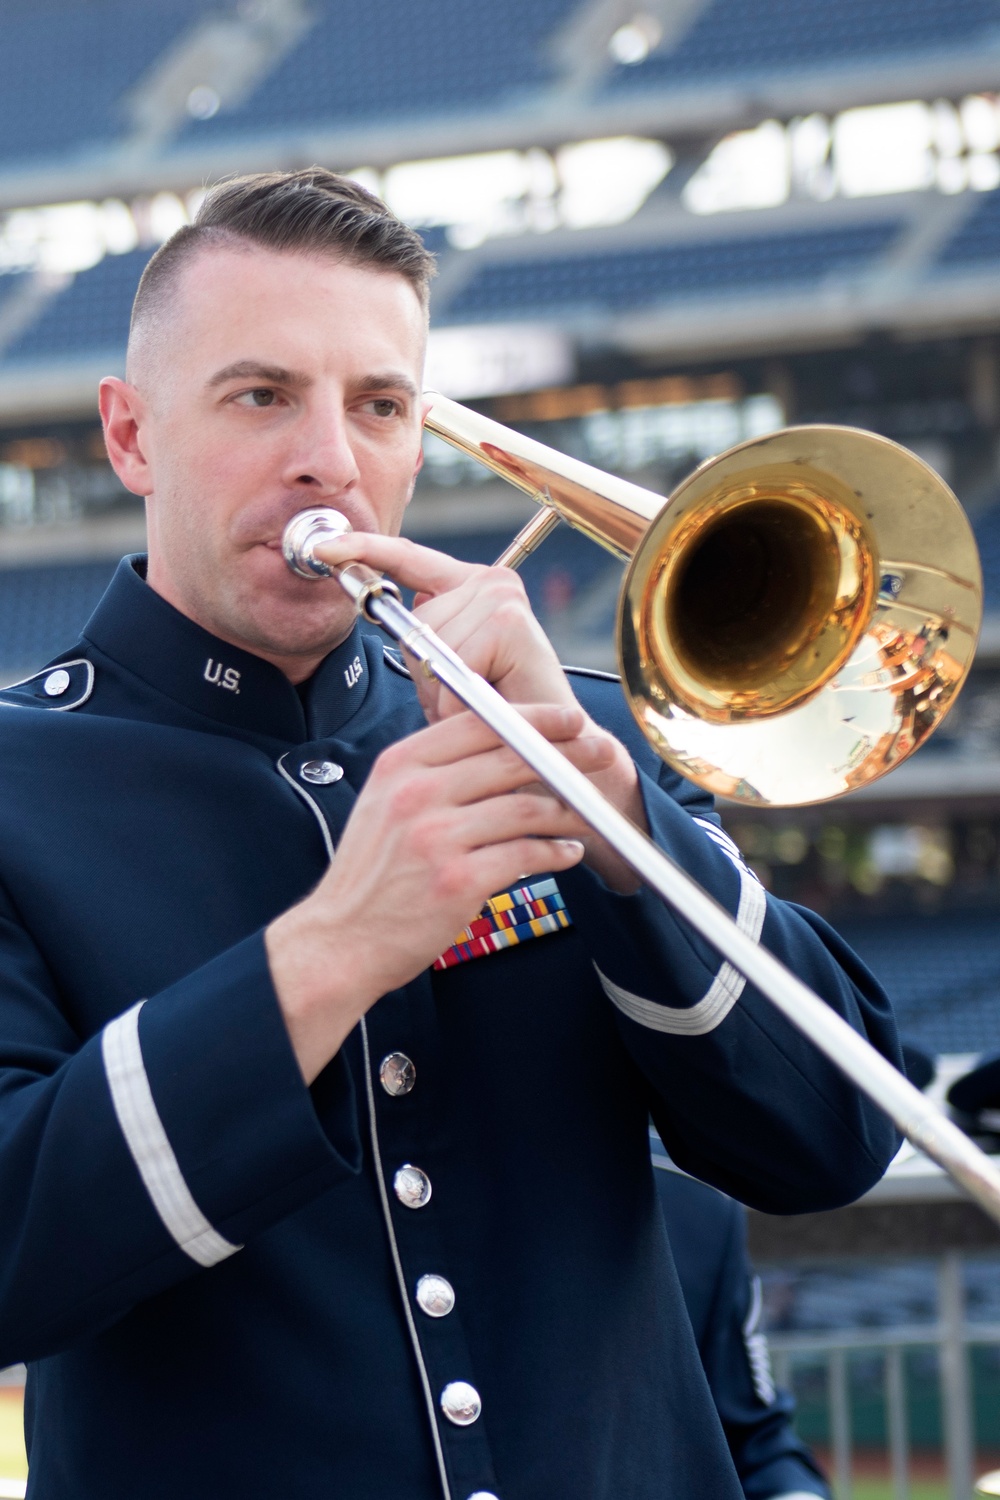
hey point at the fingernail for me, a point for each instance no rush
(572, 846)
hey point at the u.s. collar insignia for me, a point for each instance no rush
(514, 916)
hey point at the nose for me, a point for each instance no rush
(322, 460)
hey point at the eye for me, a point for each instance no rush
(263, 395)
(383, 406)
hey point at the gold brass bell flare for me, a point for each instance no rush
(795, 620)
(800, 616)
(988, 1484)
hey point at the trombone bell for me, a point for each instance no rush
(795, 620)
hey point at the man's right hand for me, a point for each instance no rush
(447, 817)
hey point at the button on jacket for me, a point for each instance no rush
(707, 1234)
(217, 1275)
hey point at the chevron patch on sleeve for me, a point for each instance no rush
(514, 916)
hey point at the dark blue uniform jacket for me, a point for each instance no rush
(707, 1233)
(205, 1263)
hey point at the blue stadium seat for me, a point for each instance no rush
(987, 530)
(979, 237)
(90, 317)
(392, 59)
(66, 64)
(631, 279)
(942, 974)
(731, 37)
(42, 610)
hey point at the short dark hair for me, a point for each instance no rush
(312, 210)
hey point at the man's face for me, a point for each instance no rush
(281, 381)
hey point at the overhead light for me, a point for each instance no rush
(633, 42)
(203, 102)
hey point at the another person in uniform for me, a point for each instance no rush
(307, 1189)
(707, 1233)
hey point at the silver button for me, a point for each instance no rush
(397, 1074)
(412, 1186)
(436, 1296)
(56, 683)
(460, 1403)
(483, 1495)
(321, 772)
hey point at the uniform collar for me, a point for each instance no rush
(138, 629)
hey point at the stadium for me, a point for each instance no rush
(662, 227)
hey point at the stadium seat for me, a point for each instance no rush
(42, 610)
(978, 239)
(729, 37)
(632, 279)
(90, 318)
(942, 974)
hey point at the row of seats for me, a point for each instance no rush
(730, 37)
(91, 315)
(67, 65)
(942, 974)
(42, 610)
(637, 278)
(978, 239)
(390, 60)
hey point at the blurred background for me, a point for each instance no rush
(662, 226)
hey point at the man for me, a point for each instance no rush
(297, 1200)
(707, 1233)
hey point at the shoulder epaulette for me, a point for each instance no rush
(63, 686)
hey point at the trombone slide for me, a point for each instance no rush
(921, 1121)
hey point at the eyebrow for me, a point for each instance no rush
(252, 369)
(381, 380)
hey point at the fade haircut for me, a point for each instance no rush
(312, 211)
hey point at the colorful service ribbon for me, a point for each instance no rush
(514, 916)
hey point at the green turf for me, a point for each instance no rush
(881, 1489)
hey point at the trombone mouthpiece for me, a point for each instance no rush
(304, 533)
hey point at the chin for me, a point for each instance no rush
(287, 633)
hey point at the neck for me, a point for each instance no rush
(297, 666)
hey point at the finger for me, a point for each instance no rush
(517, 815)
(497, 772)
(465, 734)
(410, 564)
(498, 866)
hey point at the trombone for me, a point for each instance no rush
(795, 620)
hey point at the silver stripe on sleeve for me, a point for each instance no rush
(722, 994)
(147, 1141)
(758, 1353)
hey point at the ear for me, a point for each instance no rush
(123, 412)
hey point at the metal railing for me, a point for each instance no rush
(951, 1335)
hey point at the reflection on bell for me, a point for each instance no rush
(988, 1484)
